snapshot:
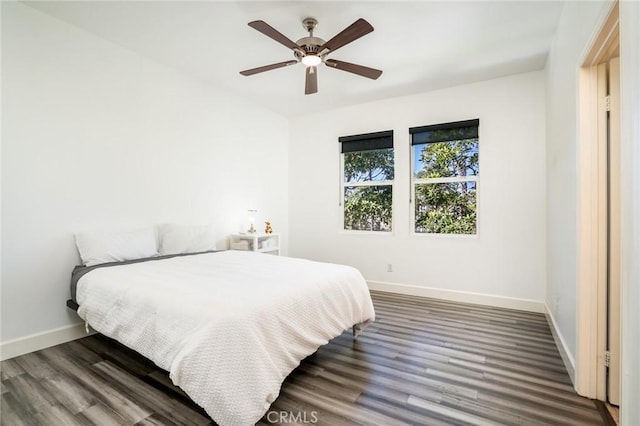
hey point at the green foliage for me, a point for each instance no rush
(447, 159)
(363, 166)
(447, 208)
(368, 208)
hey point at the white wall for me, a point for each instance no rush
(97, 137)
(507, 259)
(630, 200)
(577, 24)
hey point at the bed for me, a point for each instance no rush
(229, 326)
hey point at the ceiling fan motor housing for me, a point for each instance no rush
(310, 45)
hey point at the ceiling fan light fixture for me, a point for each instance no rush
(311, 60)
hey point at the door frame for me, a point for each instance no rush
(590, 375)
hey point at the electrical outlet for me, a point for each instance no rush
(389, 267)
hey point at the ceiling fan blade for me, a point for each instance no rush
(253, 71)
(346, 36)
(311, 82)
(371, 73)
(271, 32)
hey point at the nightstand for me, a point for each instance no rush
(258, 242)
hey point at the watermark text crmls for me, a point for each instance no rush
(300, 417)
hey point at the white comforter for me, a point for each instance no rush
(228, 326)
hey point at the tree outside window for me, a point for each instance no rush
(445, 178)
(367, 181)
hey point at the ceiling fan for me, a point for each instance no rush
(312, 51)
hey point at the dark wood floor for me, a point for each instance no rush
(423, 362)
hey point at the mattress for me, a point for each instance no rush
(228, 326)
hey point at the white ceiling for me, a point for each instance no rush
(420, 46)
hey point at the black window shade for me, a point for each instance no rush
(367, 142)
(457, 130)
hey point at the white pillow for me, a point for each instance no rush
(103, 247)
(176, 239)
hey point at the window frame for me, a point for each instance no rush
(343, 184)
(413, 181)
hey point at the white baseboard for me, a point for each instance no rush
(460, 296)
(46, 339)
(566, 356)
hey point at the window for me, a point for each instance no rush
(367, 181)
(445, 177)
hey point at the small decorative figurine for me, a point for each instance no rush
(267, 229)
